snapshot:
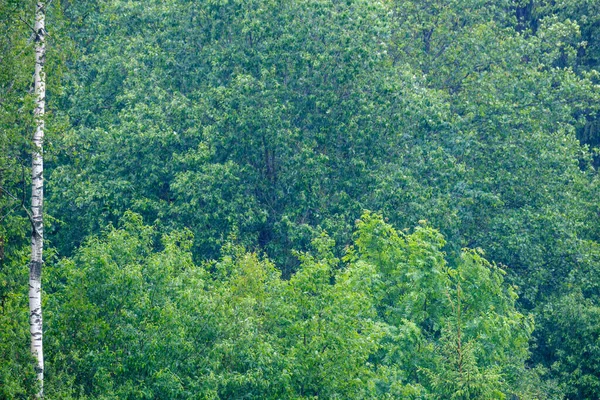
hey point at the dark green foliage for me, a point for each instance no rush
(569, 343)
(261, 98)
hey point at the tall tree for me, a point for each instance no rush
(17, 378)
(37, 197)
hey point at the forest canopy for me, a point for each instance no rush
(302, 199)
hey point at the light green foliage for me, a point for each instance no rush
(141, 322)
(152, 325)
(454, 327)
(114, 316)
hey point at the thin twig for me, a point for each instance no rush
(10, 212)
(29, 26)
(22, 204)
(9, 194)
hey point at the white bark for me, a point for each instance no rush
(37, 198)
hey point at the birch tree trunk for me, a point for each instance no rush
(37, 198)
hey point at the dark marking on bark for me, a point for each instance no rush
(35, 270)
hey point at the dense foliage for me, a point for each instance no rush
(392, 319)
(209, 168)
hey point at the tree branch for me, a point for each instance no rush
(27, 24)
(21, 204)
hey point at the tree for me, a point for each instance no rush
(17, 377)
(391, 320)
(37, 197)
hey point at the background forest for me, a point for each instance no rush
(209, 167)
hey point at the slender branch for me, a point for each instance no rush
(32, 28)
(21, 204)
(27, 24)
(9, 194)
(8, 213)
